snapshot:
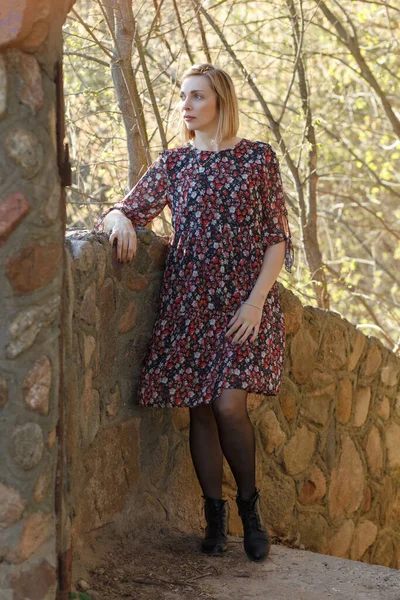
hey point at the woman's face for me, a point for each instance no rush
(199, 102)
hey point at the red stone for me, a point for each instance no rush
(33, 267)
(12, 211)
(33, 583)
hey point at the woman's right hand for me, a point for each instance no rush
(122, 230)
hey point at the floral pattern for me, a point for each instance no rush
(227, 207)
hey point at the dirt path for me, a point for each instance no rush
(172, 568)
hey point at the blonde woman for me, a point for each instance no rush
(220, 332)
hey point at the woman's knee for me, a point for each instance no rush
(231, 407)
(202, 414)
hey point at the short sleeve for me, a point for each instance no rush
(146, 199)
(275, 227)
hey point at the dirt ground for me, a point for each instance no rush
(171, 567)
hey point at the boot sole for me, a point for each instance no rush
(215, 553)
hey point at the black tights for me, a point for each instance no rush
(223, 428)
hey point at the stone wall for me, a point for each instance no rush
(328, 447)
(31, 275)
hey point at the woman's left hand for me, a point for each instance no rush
(246, 319)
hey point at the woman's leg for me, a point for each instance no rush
(205, 449)
(237, 438)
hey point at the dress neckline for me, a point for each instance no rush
(215, 151)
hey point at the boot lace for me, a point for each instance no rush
(216, 521)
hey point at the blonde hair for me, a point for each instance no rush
(227, 103)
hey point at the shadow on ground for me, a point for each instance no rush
(169, 566)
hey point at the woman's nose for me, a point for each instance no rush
(186, 104)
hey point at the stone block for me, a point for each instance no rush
(292, 309)
(314, 487)
(371, 362)
(383, 408)
(303, 353)
(12, 505)
(344, 400)
(299, 450)
(82, 254)
(317, 396)
(27, 445)
(42, 485)
(88, 307)
(13, 210)
(358, 343)
(38, 581)
(362, 400)
(33, 267)
(112, 469)
(384, 549)
(128, 319)
(313, 529)
(37, 528)
(270, 430)
(113, 403)
(288, 398)
(339, 543)
(393, 445)
(374, 452)
(24, 148)
(137, 284)
(346, 490)
(278, 495)
(3, 393)
(30, 86)
(332, 351)
(27, 324)
(181, 417)
(390, 372)
(89, 344)
(364, 536)
(3, 87)
(367, 500)
(37, 383)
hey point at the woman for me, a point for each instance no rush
(220, 331)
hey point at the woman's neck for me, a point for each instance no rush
(205, 142)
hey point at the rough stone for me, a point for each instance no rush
(288, 399)
(386, 496)
(384, 549)
(339, 544)
(270, 430)
(364, 537)
(83, 254)
(367, 500)
(27, 445)
(37, 383)
(303, 353)
(374, 451)
(358, 345)
(3, 393)
(390, 372)
(181, 418)
(254, 401)
(31, 91)
(383, 408)
(42, 485)
(317, 396)
(344, 400)
(279, 494)
(114, 403)
(112, 469)
(91, 409)
(101, 264)
(12, 505)
(51, 209)
(27, 325)
(346, 490)
(88, 306)
(44, 577)
(314, 488)
(361, 405)
(51, 438)
(33, 267)
(332, 352)
(137, 284)
(89, 344)
(371, 362)
(3, 87)
(36, 530)
(313, 529)
(299, 450)
(13, 210)
(128, 319)
(393, 445)
(24, 148)
(107, 303)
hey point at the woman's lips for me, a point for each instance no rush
(189, 118)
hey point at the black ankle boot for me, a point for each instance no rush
(256, 538)
(217, 516)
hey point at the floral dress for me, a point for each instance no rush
(227, 207)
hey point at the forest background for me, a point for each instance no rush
(317, 80)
